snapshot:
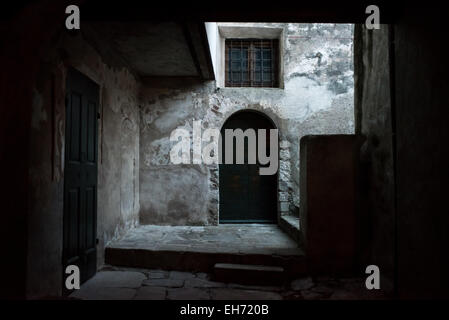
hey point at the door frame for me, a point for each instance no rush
(275, 126)
(73, 70)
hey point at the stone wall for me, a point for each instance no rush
(118, 156)
(317, 98)
(373, 121)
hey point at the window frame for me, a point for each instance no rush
(253, 44)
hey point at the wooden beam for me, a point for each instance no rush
(193, 53)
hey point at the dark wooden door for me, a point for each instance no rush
(246, 196)
(80, 174)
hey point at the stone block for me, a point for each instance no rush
(327, 211)
(284, 144)
(284, 206)
(284, 154)
(283, 185)
(202, 283)
(285, 166)
(283, 196)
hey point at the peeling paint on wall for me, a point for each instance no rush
(118, 167)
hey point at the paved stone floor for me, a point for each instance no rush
(231, 238)
(114, 283)
(132, 283)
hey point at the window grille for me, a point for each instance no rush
(251, 63)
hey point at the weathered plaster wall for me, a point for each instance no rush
(118, 156)
(317, 98)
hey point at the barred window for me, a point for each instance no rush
(251, 63)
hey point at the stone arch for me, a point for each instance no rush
(215, 177)
(272, 117)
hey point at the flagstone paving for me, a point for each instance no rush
(117, 283)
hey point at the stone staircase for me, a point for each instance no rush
(238, 254)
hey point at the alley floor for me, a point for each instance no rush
(115, 283)
(146, 250)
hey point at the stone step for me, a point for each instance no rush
(292, 263)
(249, 274)
(198, 249)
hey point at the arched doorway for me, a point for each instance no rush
(245, 195)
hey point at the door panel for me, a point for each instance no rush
(80, 174)
(246, 196)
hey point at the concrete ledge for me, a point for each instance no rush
(290, 225)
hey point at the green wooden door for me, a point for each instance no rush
(80, 174)
(246, 196)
